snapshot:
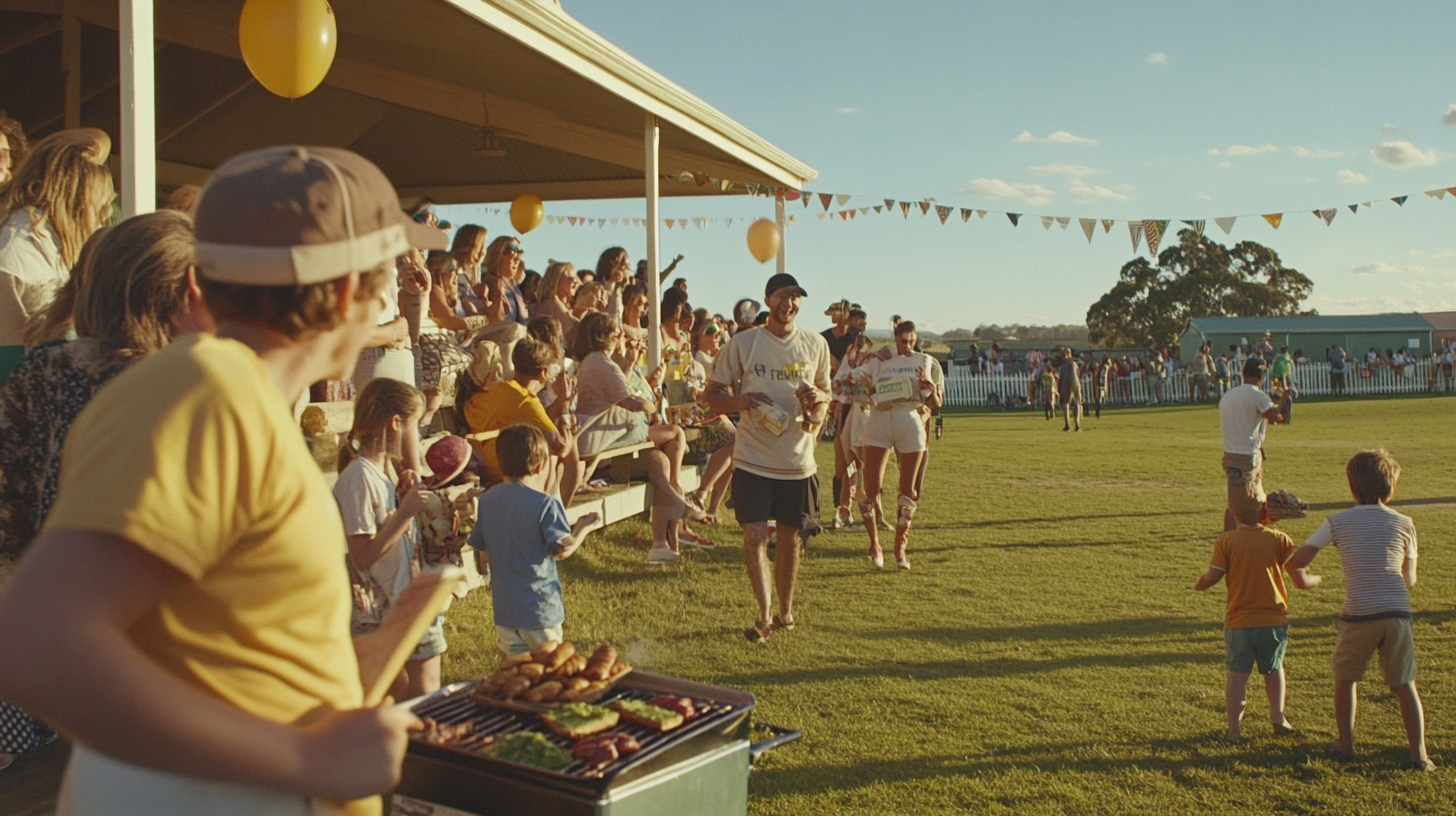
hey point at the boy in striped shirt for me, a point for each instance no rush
(1378, 551)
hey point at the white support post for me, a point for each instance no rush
(783, 236)
(654, 290)
(71, 64)
(138, 109)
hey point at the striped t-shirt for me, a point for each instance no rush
(1374, 541)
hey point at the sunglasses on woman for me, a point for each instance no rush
(515, 249)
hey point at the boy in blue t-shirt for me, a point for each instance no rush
(525, 532)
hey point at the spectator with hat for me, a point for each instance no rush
(183, 615)
(772, 376)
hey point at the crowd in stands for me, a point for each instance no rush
(468, 343)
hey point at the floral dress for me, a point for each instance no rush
(37, 406)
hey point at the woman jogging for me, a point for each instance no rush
(899, 385)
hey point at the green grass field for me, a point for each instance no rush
(1047, 653)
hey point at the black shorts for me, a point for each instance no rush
(790, 502)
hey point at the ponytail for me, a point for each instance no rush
(381, 400)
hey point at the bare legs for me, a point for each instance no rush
(670, 440)
(786, 568)
(874, 476)
(1234, 698)
(1412, 715)
(715, 478)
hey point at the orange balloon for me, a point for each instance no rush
(527, 211)
(764, 239)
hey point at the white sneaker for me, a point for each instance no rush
(877, 560)
(662, 554)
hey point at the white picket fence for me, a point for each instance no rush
(964, 388)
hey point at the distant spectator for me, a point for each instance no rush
(183, 199)
(1339, 367)
(13, 146)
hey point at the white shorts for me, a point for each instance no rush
(897, 428)
(97, 784)
(856, 420)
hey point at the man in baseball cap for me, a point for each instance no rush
(184, 616)
(777, 377)
(1244, 412)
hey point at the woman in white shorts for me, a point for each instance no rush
(900, 385)
(855, 397)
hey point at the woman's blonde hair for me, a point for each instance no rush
(382, 400)
(591, 296)
(137, 284)
(495, 250)
(554, 273)
(52, 322)
(64, 183)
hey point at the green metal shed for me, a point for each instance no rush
(1313, 333)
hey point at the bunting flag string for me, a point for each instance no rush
(1327, 216)
(1400, 200)
(1197, 226)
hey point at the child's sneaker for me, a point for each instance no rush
(662, 554)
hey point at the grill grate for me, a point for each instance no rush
(490, 723)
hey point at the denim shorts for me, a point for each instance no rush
(433, 642)
(1263, 645)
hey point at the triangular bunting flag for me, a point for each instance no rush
(844, 215)
(1353, 207)
(808, 197)
(1153, 231)
(670, 222)
(1400, 200)
(889, 203)
(905, 208)
(879, 208)
(1437, 194)
(1197, 226)
(825, 198)
(1063, 221)
(1369, 204)
(1226, 224)
(1046, 222)
(1089, 226)
(821, 216)
(573, 220)
(981, 214)
(1107, 225)
(1135, 230)
(966, 214)
(725, 185)
(943, 212)
(1274, 219)
(841, 200)
(1451, 190)
(924, 207)
(1326, 216)
(752, 187)
(791, 195)
(1015, 217)
(701, 179)
(852, 214)
(864, 210)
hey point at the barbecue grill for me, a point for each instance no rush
(699, 768)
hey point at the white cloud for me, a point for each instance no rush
(1059, 137)
(1401, 154)
(1383, 268)
(1444, 252)
(1033, 194)
(1074, 170)
(1317, 153)
(1157, 58)
(1378, 305)
(1350, 177)
(1387, 127)
(1449, 117)
(846, 110)
(1095, 192)
(1244, 150)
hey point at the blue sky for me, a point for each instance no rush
(1165, 111)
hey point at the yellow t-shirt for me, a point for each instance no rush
(1253, 561)
(193, 455)
(501, 404)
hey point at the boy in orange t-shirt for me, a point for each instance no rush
(1256, 622)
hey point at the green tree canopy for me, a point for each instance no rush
(1150, 305)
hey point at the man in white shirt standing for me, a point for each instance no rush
(776, 377)
(1245, 412)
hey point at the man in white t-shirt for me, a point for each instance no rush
(772, 375)
(1244, 412)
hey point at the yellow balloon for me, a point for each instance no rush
(763, 239)
(527, 212)
(288, 44)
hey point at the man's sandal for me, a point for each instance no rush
(759, 632)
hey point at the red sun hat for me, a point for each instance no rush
(446, 459)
